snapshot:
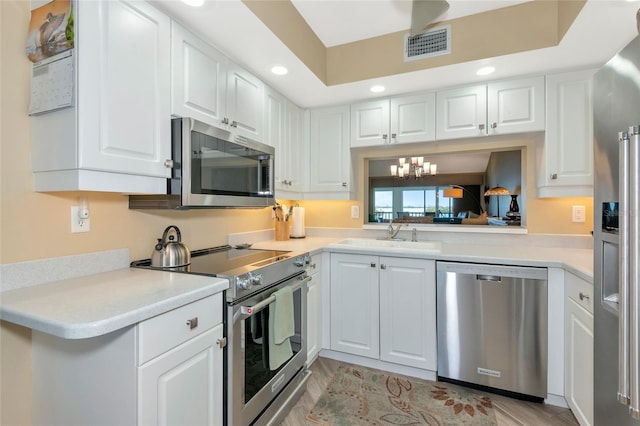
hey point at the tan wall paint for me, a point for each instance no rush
(284, 20)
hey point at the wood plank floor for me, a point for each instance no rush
(509, 412)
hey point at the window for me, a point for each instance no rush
(393, 203)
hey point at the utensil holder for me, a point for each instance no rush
(282, 231)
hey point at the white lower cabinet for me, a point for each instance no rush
(384, 308)
(579, 348)
(314, 308)
(165, 370)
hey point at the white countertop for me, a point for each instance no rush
(97, 304)
(576, 261)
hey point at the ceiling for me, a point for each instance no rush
(599, 31)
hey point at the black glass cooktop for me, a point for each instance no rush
(224, 260)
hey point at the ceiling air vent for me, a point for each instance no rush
(432, 43)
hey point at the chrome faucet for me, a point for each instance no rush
(391, 231)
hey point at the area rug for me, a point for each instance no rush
(361, 396)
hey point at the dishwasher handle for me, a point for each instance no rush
(493, 278)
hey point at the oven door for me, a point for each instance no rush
(251, 382)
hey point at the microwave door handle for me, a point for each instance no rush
(248, 311)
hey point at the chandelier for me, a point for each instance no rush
(416, 169)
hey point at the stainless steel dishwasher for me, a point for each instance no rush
(492, 328)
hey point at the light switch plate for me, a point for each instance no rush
(578, 214)
(355, 212)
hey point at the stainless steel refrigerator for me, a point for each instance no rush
(616, 239)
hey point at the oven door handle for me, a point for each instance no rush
(247, 311)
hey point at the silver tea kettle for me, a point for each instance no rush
(169, 253)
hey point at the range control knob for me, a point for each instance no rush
(243, 283)
(299, 262)
(256, 279)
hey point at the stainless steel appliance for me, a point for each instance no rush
(257, 391)
(213, 169)
(492, 327)
(616, 246)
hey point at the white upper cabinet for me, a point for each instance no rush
(198, 78)
(514, 106)
(329, 155)
(208, 87)
(245, 103)
(565, 162)
(284, 130)
(117, 137)
(403, 119)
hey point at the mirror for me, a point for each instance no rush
(463, 190)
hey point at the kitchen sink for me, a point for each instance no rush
(431, 246)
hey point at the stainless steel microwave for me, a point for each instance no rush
(213, 170)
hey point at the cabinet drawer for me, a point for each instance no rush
(159, 334)
(580, 291)
(315, 265)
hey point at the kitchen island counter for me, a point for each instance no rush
(98, 304)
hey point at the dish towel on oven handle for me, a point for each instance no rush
(281, 328)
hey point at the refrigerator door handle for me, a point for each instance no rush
(623, 277)
(634, 272)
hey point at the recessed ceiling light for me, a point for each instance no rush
(485, 71)
(194, 3)
(279, 70)
(377, 89)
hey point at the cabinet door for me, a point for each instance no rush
(198, 78)
(314, 309)
(568, 148)
(294, 146)
(183, 386)
(274, 134)
(354, 304)
(515, 106)
(370, 123)
(124, 78)
(579, 361)
(413, 118)
(461, 113)
(408, 312)
(329, 159)
(245, 103)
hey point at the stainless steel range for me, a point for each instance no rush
(265, 371)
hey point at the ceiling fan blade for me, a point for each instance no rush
(424, 12)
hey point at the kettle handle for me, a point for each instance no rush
(166, 233)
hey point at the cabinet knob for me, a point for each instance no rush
(372, 264)
(383, 266)
(313, 265)
(481, 126)
(554, 176)
(393, 135)
(225, 120)
(584, 296)
(192, 323)
(494, 125)
(234, 124)
(384, 136)
(344, 184)
(168, 164)
(221, 342)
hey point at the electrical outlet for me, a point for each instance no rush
(578, 214)
(78, 224)
(355, 212)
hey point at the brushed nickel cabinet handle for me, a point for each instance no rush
(554, 176)
(192, 323)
